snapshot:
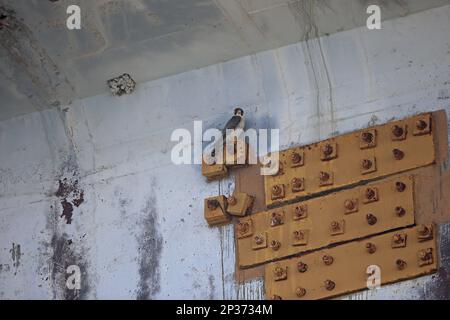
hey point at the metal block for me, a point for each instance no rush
(348, 159)
(215, 210)
(214, 171)
(330, 219)
(346, 268)
(240, 204)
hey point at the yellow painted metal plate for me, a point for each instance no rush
(346, 268)
(344, 160)
(316, 223)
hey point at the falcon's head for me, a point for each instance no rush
(238, 112)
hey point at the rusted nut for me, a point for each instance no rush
(370, 194)
(371, 219)
(300, 292)
(276, 219)
(349, 204)
(300, 211)
(367, 164)
(259, 239)
(421, 125)
(399, 238)
(296, 158)
(276, 190)
(327, 259)
(371, 248)
(425, 255)
(329, 285)
(400, 211)
(367, 137)
(276, 297)
(243, 227)
(424, 230)
(324, 176)
(398, 154)
(275, 245)
(327, 149)
(401, 264)
(213, 204)
(278, 272)
(299, 235)
(397, 131)
(400, 186)
(297, 183)
(302, 267)
(335, 226)
(232, 200)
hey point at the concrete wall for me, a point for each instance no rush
(140, 232)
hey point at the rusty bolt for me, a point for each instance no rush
(335, 226)
(400, 186)
(297, 183)
(296, 157)
(399, 238)
(367, 137)
(259, 239)
(397, 131)
(398, 154)
(275, 245)
(371, 219)
(276, 219)
(299, 235)
(213, 204)
(276, 297)
(278, 272)
(401, 264)
(232, 200)
(302, 267)
(424, 230)
(300, 211)
(329, 285)
(327, 259)
(327, 149)
(371, 248)
(300, 292)
(370, 194)
(400, 211)
(421, 124)
(425, 255)
(349, 204)
(324, 176)
(276, 190)
(367, 164)
(243, 227)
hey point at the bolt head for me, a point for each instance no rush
(327, 149)
(370, 193)
(324, 176)
(327, 259)
(302, 267)
(297, 182)
(400, 211)
(276, 190)
(400, 186)
(367, 137)
(421, 125)
(398, 154)
(296, 158)
(243, 227)
(367, 164)
(397, 131)
(371, 219)
(329, 285)
(300, 292)
(371, 248)
(401, 264)
(349, 204)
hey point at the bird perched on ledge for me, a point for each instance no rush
(236, 122)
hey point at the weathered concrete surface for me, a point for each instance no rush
(140, 233)
(44, 64)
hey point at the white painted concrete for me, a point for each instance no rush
(140, 231)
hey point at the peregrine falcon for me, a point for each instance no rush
(236, 122)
